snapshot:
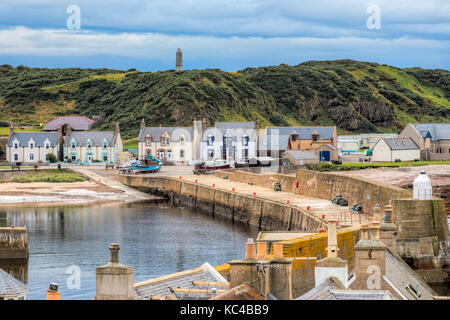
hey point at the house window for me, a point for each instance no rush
(210, 140)
(294, 137)
(16, 145)
(74, 157)
(245, 140)
(181, 154)
(105, 157)
(148, 152)
(164, 141)
(105, 145)
(210, 154)
(89, 144)
(148, 141)
(31, 156)
(16, 157)
(31, 145)
(182, 140)
(245, 153)
(47, 146)
(315, 136)
(73, 145)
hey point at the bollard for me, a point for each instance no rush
(181, 177)
(196, 181)
(254, 193)
(232, 189)
(308, 208)
(287, 201)
(214, 185)
(323, 216)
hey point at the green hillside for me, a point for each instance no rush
(355, 96)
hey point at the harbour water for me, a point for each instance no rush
(155, 241)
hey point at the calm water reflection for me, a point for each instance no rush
(155, 241)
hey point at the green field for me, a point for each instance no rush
(50, 175)
(5, 131)
(348, 166)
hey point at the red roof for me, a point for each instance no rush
(76, 122)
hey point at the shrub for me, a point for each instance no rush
(51, 157)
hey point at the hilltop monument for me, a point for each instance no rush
(179, 60)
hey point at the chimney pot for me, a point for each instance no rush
(261, 249)
(277, 250)
(114, 252)
(332, 238)
(250, 249)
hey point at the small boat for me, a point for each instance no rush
(148, 165)
(203, 167)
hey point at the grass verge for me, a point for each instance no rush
(348, 166)
(51, 175)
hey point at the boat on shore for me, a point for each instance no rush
(148, 165)
(207, 167)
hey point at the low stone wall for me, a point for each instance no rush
(13, 243)
(367, 193)
(259, 212)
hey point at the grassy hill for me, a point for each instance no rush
(355, 96)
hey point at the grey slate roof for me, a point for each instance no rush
(10, 287)
(96, 136)
(38, 137)
(76, 122)
(301, 155)
(322, 291)
(401, 144)
(325, 133)
(236, 133)
(161, 286)
(438, 131)
(235, 125)
(174, 133)
(273, 142)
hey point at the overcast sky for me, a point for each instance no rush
(226, 34)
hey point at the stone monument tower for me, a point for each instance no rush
(179, 60)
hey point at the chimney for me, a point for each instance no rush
(11, 129)
(142, 123)
(250, 250)
(114, 281)
(268, 276)
(332, 265)
(53, 293)
(370, 260)
(261, 250)
(117, 129)
(69, 130)
(204, 124)
(364, 232)
(388, 230)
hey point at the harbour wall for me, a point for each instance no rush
(13, 243)
(259, 212)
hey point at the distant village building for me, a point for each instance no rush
(299, 158)
(87, 147)
(279, 139)
(433, 139)
(32, 147)
(77, 123)
(348, 144)
(392, 150)
(171, 144)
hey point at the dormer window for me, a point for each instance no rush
(16, 145)
(89, 144)
(148, 141)
(105, 144)
(315, 136)
(73, 144)
(47, 145)
(31, 145)
(164, 141)
(182, 140)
